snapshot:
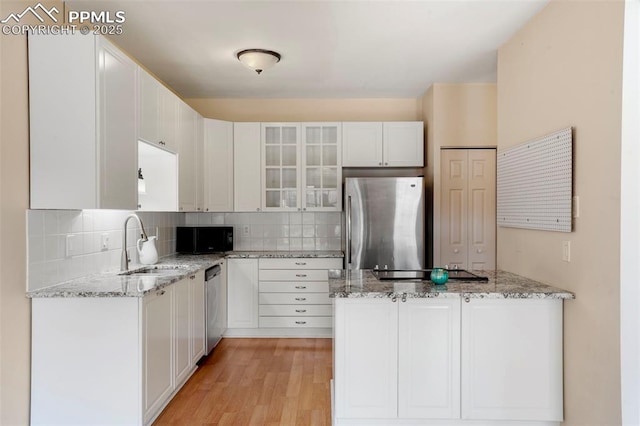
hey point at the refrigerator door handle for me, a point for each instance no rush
(348, 230)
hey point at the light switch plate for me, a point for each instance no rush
(104, 241)
(69, 246)
(566, 251)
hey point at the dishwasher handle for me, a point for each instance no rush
(212, 272)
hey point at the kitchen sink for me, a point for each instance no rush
(156, 270)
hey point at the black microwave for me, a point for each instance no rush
(204, 239)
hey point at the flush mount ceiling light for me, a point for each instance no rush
(258, 59)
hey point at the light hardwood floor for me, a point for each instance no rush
(257, 382)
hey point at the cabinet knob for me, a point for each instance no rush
(394, 299)
(181, 208)
(199, 209)
(404, 297)
(192, 277)
(162, 143)
(207, 209)
(479, 251)
(379, 164)
(258, 209)
(161, 292)
(456, 251)
(304, 209)
(386, 164)
(467, 300)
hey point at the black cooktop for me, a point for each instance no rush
(424, 275)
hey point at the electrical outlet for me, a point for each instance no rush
(104, 241)
(70, 246)
(246, 230)
(566, 251)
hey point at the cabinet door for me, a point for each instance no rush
(429, 359)
(187, 159)
(280, 166)
(362, 144)
(366, 358)
(118, 147)
(169, 119)
(150, 107)
(200, 164)
(198, 326)
(182, 326)
(221, 319)
(242, 292)
(157, 349)
(321, 166)
(512, 359)
(403, 144)
(246, 167)
(218, 153)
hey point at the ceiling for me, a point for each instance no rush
(330, 49)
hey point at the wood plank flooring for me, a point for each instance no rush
(257, 382)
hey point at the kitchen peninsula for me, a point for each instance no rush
(411, 352)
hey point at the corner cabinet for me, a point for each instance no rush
(82, 104)
(383, 144)
(146, 348)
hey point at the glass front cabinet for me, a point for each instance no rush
(301, 167)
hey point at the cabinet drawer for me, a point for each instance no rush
(294, 287)
(296, 322)
(294, 299)
(296, 310)
(293, 275)
(301, 263)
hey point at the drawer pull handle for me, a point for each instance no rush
(301, 322)
(301, 263)
(301, 287)
(301, 299)
(301, 311)
(301, 275)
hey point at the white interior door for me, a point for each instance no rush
(453, 217)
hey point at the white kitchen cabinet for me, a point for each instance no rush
(512, 359)
(182, 333)
(280, 166)
(247, 189)
(294, 292)
(158, 112)
(242, 293)
(386, 144)
(321, 163)
(468, 208)
(187, 170)
(145, 349)
(218, 155)
(397, 360)
(198, 320)
(82, 101)
(157, 349)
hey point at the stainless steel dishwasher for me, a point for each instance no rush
(215, 309)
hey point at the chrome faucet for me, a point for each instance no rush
(124, 260)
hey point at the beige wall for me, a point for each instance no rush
(456, 115)
(15, 308)
(564, 68)
(402, 109)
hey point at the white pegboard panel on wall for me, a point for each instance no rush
(535, 183)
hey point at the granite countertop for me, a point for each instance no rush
(110, 284)
(501, 285)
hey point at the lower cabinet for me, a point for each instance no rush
(117, 359)
(498, 361)
(242, 293)
(396, 360)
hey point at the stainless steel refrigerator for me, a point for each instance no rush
(385, 223)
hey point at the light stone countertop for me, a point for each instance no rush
(110, 284)
(501, 285)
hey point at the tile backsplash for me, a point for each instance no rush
(67, 244)
(278, 231)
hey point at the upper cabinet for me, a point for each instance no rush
(280, 161)
(82, 101)
(387, 144)
(218, 180)
(187, 168)
(321, 166)
(246, 167)
(159, 113)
